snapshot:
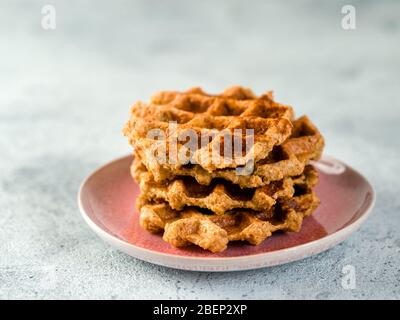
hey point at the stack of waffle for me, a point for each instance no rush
(209, 200)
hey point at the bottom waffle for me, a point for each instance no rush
(213, 232)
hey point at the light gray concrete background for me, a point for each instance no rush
(65, 94)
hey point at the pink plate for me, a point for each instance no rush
(107, 203)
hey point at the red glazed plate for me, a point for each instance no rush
(107, 202)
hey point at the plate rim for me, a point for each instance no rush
(321, 244)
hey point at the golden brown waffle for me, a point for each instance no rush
(234, 101)
(289, 159)
(219, 196)
(235, 92)
(213, 232)
(201, 198)
(217, 117)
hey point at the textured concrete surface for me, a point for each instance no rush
(64, 95)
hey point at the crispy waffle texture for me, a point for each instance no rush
(200, 197)
(289, 159)
(217, 118)
(213, 232)
(219, 196)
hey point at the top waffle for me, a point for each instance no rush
(217, 118)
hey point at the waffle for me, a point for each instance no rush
(213, 232)
(197, 189)
(235, 92)
(288, 159)
(215, 117)
(219, 196)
